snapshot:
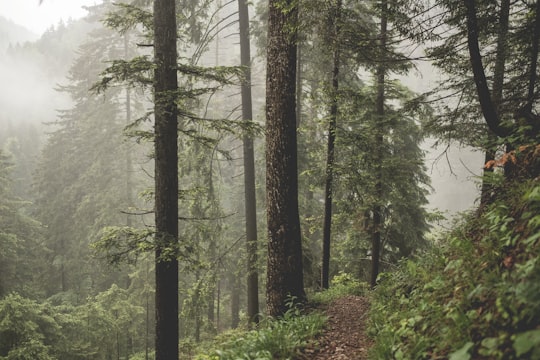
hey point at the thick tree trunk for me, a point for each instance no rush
(284, 271)
(249, 169)
(325, 270)
(377, 210)
(166, 180)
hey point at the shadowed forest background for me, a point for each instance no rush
(391, 136)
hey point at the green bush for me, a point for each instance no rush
(275, 339)
(477, 297)
(341, 285)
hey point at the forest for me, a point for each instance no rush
(221, 179)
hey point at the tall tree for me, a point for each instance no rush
(166, 179)
(379, 135)
(486, 101)
(480, 45)
(332, 124)
(284, 270)
(21, 241)
(249, 167)
(80, 183)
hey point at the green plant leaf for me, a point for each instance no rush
(524, 342)
(463, 353)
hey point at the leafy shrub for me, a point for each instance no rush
(476, 297)
(275, 339)
(341, 285)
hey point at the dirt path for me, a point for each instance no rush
(344, 337)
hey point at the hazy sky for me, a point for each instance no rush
(38, 18)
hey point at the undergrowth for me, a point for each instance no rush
(282, 338)
(342, 285)
(275, 339)
(476, 297)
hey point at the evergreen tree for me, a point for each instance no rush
(166, 179)
(249, 167)
(397, 170)
(284, 270)
(471, 38)
(81, 179)
(21, 241)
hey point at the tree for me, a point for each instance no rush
(483, 47)
(398, 170)
(166, 179)
(524, 118)
(336, 41)
(249, 167)
(332, 125)
(199, 146)
(80, 183)
(284, 270)
(379, 135)
(21, 241)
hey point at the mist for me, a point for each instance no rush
(78, 135)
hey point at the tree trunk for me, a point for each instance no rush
(235, 301)
(488, 108)
(166, 180)
(497, 93)
(129, 160)
(284, 271)
(249, 169)
(325, 270)
(377, 210)
(534, 63)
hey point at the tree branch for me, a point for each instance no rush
(486, 103)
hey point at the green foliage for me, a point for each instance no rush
(507, 65)
(341, 285)
(124, 244)
(23, 326)
(476, 297)
(21, 241)
(55, 330)
(275, 339)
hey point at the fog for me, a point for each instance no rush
(81, 196)
(30, 96)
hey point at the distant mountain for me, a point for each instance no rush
(11, 33)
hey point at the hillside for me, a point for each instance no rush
(475, 294)
(11, 33)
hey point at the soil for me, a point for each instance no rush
(345, 334)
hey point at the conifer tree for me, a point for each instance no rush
(284, 270)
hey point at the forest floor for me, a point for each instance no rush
(345, 334)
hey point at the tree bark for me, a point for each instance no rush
(284, 270)
(166, 179)
(249, 169)
(325, 269)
